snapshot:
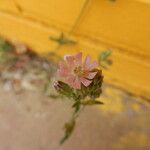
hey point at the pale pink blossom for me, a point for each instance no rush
(75, 72)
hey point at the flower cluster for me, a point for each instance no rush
(80, 81)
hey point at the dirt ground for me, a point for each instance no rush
(32, 121)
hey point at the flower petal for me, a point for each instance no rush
(63, 70)
(66, 57)
(87, 62)
(90, 75)
(74, 82)
(85, 82)
(77, 83)
(70, 60)
(70, 80)
(78, 59)
(93, 65)
(88, 65)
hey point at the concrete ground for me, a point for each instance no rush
(31, 121)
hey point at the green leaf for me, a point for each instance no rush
(4, 46)
(54, 96)
(104, 55)
(69, 127)
(91, 102)
(62, 40)
(109, 62)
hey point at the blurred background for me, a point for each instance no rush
(34, 36)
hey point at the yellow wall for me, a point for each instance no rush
(123, 25)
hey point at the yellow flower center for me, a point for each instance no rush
(78, 71)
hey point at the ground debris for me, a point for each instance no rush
(21, 69)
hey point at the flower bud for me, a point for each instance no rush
(96, 86)
(94, 89)
(63, 88)
(57, 85)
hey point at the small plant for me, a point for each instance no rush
(104, 58)
(81, 83)
(62, 40)
(5, 48)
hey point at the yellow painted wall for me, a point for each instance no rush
(123, 26)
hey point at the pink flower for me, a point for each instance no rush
(75, 72)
